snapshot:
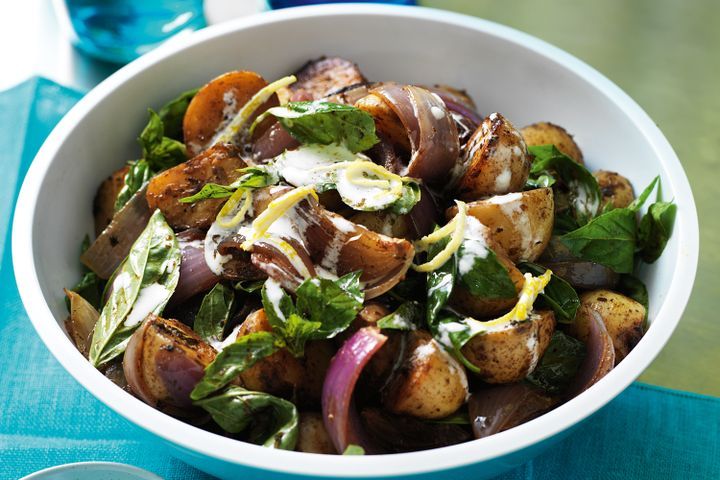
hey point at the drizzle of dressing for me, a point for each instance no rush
(274, 293)
(474, 245)
(511, 206)
(147, 300)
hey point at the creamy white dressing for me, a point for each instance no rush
(367, 197)
(274, 293)
(147, 300)
(232, 338)
(502, 181)
(437, 112)
(231, 107)
(475, 245)
(511, 206)
(532, 346)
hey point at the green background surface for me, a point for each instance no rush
(666, 55)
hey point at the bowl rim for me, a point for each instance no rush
(99, 467)
(295, 463)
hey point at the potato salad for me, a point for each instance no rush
(335, 264)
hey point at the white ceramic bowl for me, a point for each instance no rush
(93, 471)
(504, 70)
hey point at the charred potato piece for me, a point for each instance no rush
(107, 193)
(495, 160)
(429, 384)
(312, 435)
(217, 103)
(163, 362)
(483, 307)
(316, 362)
(615, 188)
(321, 77)
(544, 133)
(387, 223)
(387, 122)
(509, 354)
(218, 164)
(624, 319)
(521, 223)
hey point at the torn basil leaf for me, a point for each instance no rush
(269, 421)
(253, 177)
(410, 197)
(440, 282)
(137, 175)
(480, 271)
(353, 449)
(406, 317)
(214, 313)
(559, 363)
(172, 114)
(655, 230)
(143, 284)
(159, 151)
(325, 123)
(558, 295)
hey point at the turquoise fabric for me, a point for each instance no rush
(48, 419)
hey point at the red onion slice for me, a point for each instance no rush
(272, 143)
(341, 418)
(599, 356)
(195, 276)
(431, 129)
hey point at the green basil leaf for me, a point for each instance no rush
(634, 288)
(557, 295)
(559, 363)
(214, 313)
(172, 114)
(272, 420)
(410, 197)
(254, 177)
(137, 175)
(608, 239)
(277, 304)
(453, 333)
(159, 151)
(655, 230)
(210, 190)
(461, 417)
(325, 123)
(353, 449)
(565, 223)
(585, 196)
(637, 204)
(249, 286)
(144, 282)
(480, 271)
(407, 317)
(296, 331)
(440, 282)
(332, 303)
(539, 181)
(233, 359)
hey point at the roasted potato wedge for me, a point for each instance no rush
(429, 383)
(321, 77)
(544, 133)
(509, 354)
(217, 103)
(107, 193)
(624, 319)
(615, 188)
(521, 223)
(312, 436)
(495, 161)
(219, 164)
(386, 120)
(482, 307)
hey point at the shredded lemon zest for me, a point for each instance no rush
(355, 173)
(228, 133)
(275, 210)
(458, 234)
(244, 194)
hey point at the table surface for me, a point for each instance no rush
(664, 53)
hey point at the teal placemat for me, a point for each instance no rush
(48, 419)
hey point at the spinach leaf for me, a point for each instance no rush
(608, 239)
(172, 114)
(634, 288)
(453, 333)
(407, 317)
(655, 230)
(326, 123)
(353, 449)
(410, 197)
(557, 295)
(551, 163)
(144, 282)
(480, 271)
(440, 282)
(559, 363)
(214, 313)
(273, 422)
(90, 287)
(159, 151)
(137, 175)
(254, 177)
(233, 359)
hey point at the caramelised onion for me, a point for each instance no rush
(502, 407)
(114, 243)
(272, 143)
(430, 127)
(195, 276)
(269, 258)
(81, 322)
(342, 421)
(458, 102)
(163, 362)
(599, 356)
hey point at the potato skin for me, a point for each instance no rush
(624, 319)
(615, 188)
(510, 354)
(479, 307)
(386, 120)
(217, 102)
(218, 164)
(312, 436)
(495, 160)
(429, 384)
(521, 223)
(544, 133)
(104, 203)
